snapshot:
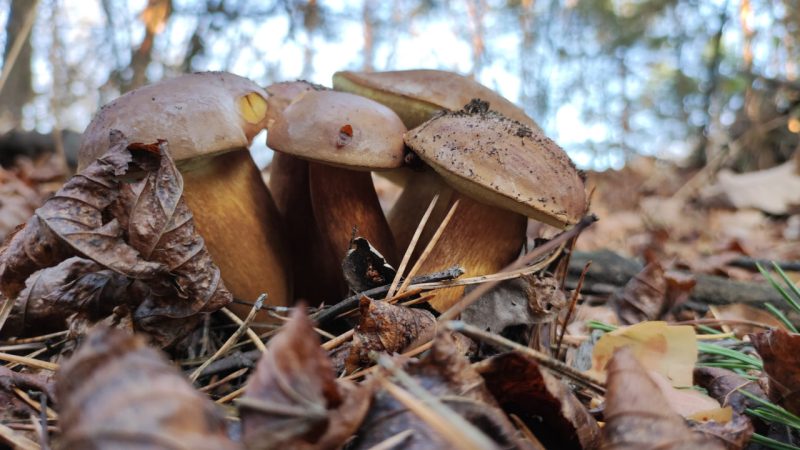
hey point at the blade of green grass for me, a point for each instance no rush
(772, 443)
(792, 302)
(780, 316)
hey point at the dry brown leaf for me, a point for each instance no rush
(741, 311)
(116, 392)
(775, 190)
(651, 294)
(779, 350)
(724, 385)
(668, 350)
(365, 268)
(293, 399)
(691, 404)
(388, 328)
(546, 405)
(449, 377)
(51, 295)
(142, 231)
(637, 415)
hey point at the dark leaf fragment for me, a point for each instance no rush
(116, 392)
(293, 399)
(365, 268)
(779, 350)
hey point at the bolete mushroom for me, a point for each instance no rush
(209, 120)
(483, 237)
(343, 136)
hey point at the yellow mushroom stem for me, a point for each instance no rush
(235, 214)
(480, 238)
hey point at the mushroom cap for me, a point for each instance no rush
(339, 129)
(501, 162)
(415, 95)
(283, 93)
(198, 114)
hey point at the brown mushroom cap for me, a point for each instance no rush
(339, 129)
(501, 162)
(199, 114)
(415, 95)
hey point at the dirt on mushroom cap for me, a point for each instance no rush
(501, 162)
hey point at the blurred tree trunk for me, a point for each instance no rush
(18, 89)
(476, 10)
(368, 19)
(155, 17)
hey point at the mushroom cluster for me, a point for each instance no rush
(289, 240)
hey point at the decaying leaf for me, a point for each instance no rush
(293, 399)
(53, 294)
(546, 405)
(744, 312)
(651, 294)
(637, 415)
(136, 245)
(691, 404)
(116, 392)
(518, 308)
(384, 327)
(365, 268)
(779, 350)
(775, 190)
(724, 385)
(668, 350)
(448, 376)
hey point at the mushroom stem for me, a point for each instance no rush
(235, 214)
(343, 199)
(480, 238)
(314, 280)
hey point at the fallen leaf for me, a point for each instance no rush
(448, 376)
(778, 349)
(774, 191)
(724, 385)
(141, 241)
(690, 403)
(668, 350)
(637, 415)
(642, 298)
(741, 311)
(546, 405)
(384, 327)
(293, 399)
(365, 268)
(519, 308)
(116, 392)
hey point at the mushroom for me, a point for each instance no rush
(500, 162)
(343, 136)
(416, 96)
(209, 120)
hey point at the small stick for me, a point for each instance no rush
(572, 303)
(429, 248)
(538, 252)
(351, 302)
(19, 441)
(35, 339)
(339, 340)
(393, 442)
(250, 333)
(232, 339)
(449, 425)
(224, 380)
(30, 362)
(34, 404)
(553, 364)
(411, 245)
(235, 394)
(413, 352)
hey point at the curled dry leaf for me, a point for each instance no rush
(365, 268)
(51, 295)
(384, 327)
(741, 311)
(668, 350)
(724, 385)
(448, 376)
(293, 399)
(517, 307)
(651, 294)
(778, 349)
(546, 405)
(137, 242)
(116, 392)
(637, 415)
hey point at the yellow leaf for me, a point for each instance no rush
(668, 350)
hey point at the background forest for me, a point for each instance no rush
(607, 79)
